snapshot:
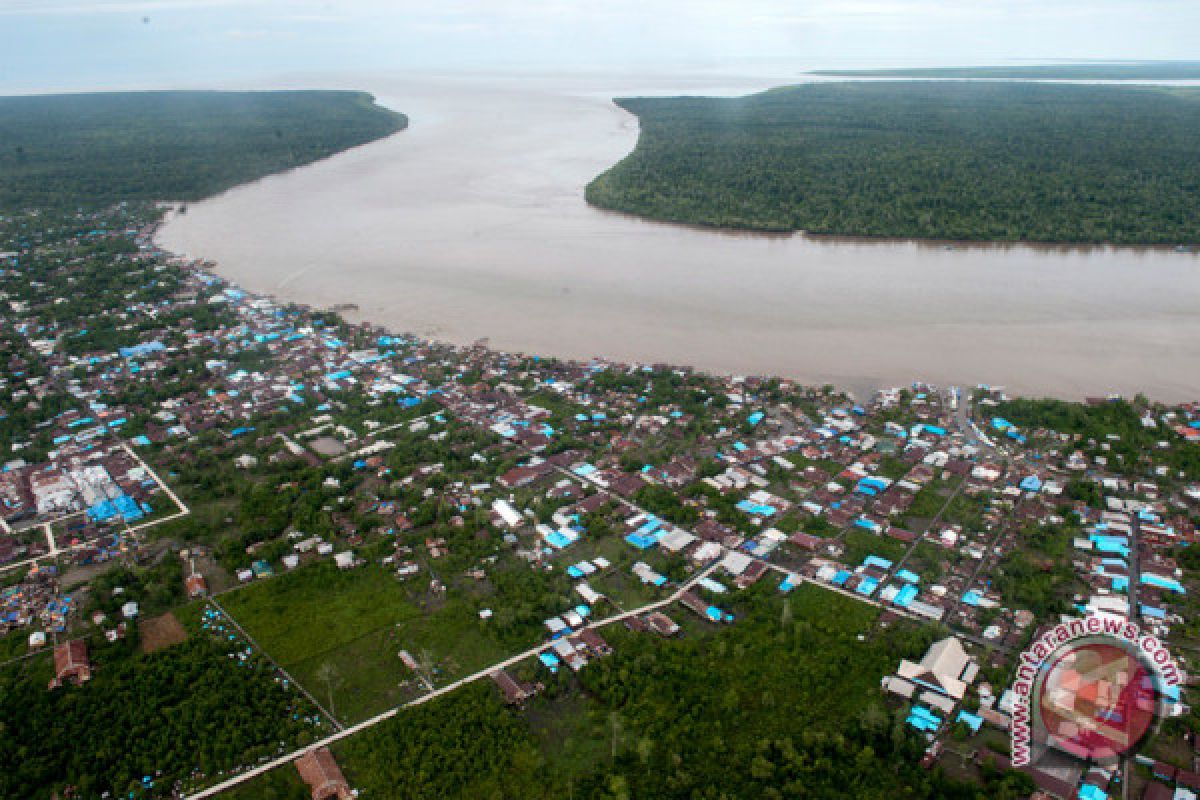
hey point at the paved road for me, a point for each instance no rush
(533, 651)
(966, 424)
(425, 698)
(55, 550)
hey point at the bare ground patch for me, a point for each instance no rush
(159, 632)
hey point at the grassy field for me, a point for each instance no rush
(859, 544)
(340, 632)
(279, 784)
(659, 711)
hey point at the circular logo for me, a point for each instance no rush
(1097, 700)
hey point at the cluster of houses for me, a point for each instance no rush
(613, 474)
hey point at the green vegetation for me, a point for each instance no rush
(464, 745)
(170, 715)
(859, 544)
(783, 704)
(99, 149)
(1112, 429)
(972, 161)
(1126, 71)
(1039, 575)
(339, 633)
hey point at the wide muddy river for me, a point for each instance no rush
(471, 224)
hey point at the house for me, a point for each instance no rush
(693, 602)
(945, 670)
(805, 541)
(661, 624)
(515, 692)
(71, 663)
(594, 642)
(751, 574)
(196, 587)
(318, 769)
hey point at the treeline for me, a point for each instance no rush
(970, 161)
(1136, 71)
(165, 716)
(93, 150)
(1112, 429)
(783, 704)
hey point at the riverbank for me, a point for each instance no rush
(961, 160)
(473, 225)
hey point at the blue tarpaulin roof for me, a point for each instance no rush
(1163, 583)
(140, 350)
(973, 722)
(905, 596)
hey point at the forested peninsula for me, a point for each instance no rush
(92, 150)
(933, 160)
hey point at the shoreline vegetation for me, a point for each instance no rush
(1098, 71)
(655, 719)
(948, 161)
(95, 150)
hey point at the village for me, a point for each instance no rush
(380, 519)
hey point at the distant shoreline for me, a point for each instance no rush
(836, 239)
(464, 229)
(1019, 162)
(1094, 71)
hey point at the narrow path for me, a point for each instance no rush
(344, 733)
(937, 518)
(181, 511)
(988, 555)
(246, 635)
(50, 541)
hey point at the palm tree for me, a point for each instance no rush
(328, 674)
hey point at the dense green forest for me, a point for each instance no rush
(99, 149)
(949, 160)
(161, 716)
(1100, 71)
(783, 704)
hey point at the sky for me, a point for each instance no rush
(95, 44)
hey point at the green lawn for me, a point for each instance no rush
(318, 608)
(787, 697)
(859, 544)
(340, 634)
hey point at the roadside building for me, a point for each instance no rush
(515, 692)
(318, 769)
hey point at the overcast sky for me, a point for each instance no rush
(72, 44)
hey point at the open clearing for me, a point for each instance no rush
(340, 633)
(159, 632)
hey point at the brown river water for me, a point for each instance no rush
(471, 224)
